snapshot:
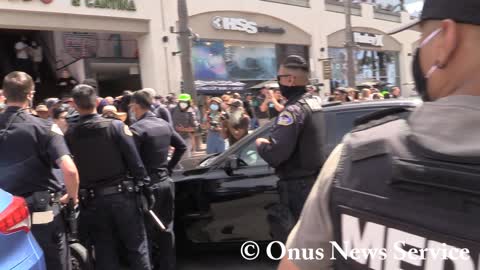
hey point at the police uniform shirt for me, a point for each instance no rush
(30, 148)
(163, 113)
(449, 127)
(153, 137)
(122, 137)
(284, 135)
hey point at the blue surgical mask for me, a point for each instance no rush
(214, 107)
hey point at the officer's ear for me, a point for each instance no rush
(74, 105)
(31, 94)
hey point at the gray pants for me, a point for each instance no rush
(188, 142)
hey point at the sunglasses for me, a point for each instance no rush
(283, 76)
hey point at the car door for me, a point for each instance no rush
(235, 199)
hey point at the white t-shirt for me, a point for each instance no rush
(37, 54)
(21, 54)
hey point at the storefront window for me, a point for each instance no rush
(390, 5)
(219, 60)
(369, 66)
(301, 3)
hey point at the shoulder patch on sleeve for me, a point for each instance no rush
(55, 129)
(127, 131)
(286, 118)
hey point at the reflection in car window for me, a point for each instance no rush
(250, 156)
(344, 122)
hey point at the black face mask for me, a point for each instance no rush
(419, 77)
(292, 91)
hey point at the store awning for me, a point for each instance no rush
(272, 84)
(218, 87)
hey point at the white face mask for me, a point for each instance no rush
(132, 115)
(183, 106)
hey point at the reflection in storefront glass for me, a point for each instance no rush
(219, 60)
(369, 66)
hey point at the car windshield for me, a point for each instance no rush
(209, 161)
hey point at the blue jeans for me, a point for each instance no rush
(215, 142)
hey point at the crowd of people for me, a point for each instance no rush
(365, 94)
(28, 57)
(219, 123)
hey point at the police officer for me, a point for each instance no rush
(30, 148)
(105, 153)
(297, 130)
(413, 180)
(154, 136)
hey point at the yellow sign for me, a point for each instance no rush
(327, 70)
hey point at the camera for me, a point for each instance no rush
(224, 116)
(214, 124)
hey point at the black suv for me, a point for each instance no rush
(233, 197)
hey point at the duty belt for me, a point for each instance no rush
(125, 186)
(41, 201)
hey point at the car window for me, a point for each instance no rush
(340, 123)
(249, 154)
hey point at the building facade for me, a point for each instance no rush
(125, 41)
(99, 38)
(246, 40)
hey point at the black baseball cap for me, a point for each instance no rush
(295, 62)
(461, 11)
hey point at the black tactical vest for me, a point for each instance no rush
(96, 153)
(388, 189)
(309, 153)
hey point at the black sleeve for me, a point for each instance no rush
(56, 145)
(163, 113)
(283, 138)
(137, 136)
(124, 138)
(180, 149)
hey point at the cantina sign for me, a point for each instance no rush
(128, 5)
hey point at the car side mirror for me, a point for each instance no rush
(231, 164)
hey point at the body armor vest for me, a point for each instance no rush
(390, 195)
(309, 153)
(96, 153)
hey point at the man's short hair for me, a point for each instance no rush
(84, 96)
(92, 82)
(17, 85)
(151, 91)
(143, 98)
(295, 62)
